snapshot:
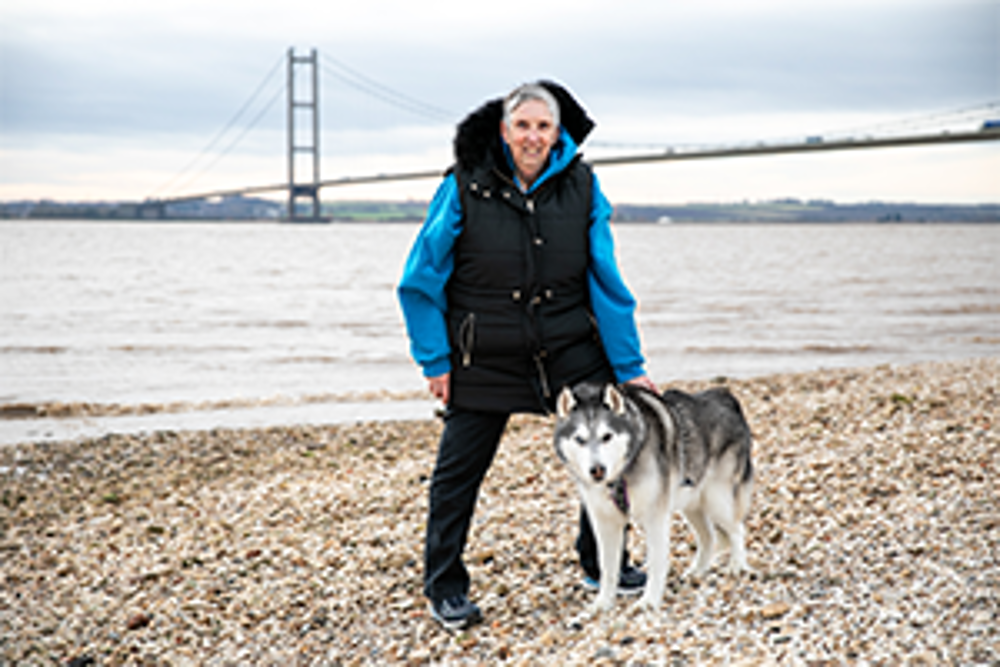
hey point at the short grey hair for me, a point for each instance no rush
(526, 92)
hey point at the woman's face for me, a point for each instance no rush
(531, 134)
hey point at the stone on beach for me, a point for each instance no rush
(873, 533)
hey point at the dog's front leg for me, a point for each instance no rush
(609, 530)
(658, 559)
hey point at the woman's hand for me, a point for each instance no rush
(644, 381)
(440, 386)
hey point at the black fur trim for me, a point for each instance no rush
(478, 135)
(572, 116)
(477, 138)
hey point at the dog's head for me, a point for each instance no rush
(597, 431)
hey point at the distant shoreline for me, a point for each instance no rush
(335, 221)
(250, 209)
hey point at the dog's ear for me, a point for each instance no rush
(565, 403)
(614, 400)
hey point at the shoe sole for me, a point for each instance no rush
(622, 592)
(456, 624)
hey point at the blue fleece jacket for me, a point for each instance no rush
(424, 302)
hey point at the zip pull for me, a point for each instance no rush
(467, 338)
(530, 205)
(542, 377)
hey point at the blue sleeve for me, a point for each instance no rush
(613, 304)
(421, 289)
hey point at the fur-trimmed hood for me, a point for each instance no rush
(478, 135)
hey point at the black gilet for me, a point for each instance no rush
(519, 315)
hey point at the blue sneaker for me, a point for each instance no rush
(631, 581)
(456, 612)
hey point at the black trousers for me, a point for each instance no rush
(467, 448)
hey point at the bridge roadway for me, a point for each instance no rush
(989, 132)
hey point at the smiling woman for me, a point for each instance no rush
(530, 127)
(510, 292)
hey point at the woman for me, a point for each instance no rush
(510, 292)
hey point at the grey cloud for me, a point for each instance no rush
(855, 57)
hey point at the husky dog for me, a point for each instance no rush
(634, 453)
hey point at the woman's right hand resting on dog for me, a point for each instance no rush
(644, 381)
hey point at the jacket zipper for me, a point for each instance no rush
(529, 205)
(529, 200)
(543, 377)
(467, 338)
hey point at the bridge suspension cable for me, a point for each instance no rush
(330, 66)
(962, 119)
(873, 136)
(365, 84)
(974, 114)
(228, 149)
(221, 133)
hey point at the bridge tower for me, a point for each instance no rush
(303, 141)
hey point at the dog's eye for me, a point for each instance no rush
(606, 437)
(580, 440)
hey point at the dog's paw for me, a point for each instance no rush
(648, 604)
(599, 605)
(740, 570)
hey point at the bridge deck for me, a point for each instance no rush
(989, 133)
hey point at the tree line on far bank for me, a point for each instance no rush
(775, 211)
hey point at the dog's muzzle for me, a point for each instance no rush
(598, 472)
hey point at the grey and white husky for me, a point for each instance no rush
(637, 454)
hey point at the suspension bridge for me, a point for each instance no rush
(303, 139)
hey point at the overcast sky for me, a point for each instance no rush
(117, 99)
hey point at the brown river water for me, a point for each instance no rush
(145, 326)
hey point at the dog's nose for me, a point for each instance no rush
(597, 471)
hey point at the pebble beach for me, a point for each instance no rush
(874, 536)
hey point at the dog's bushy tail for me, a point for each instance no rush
(744, 473)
